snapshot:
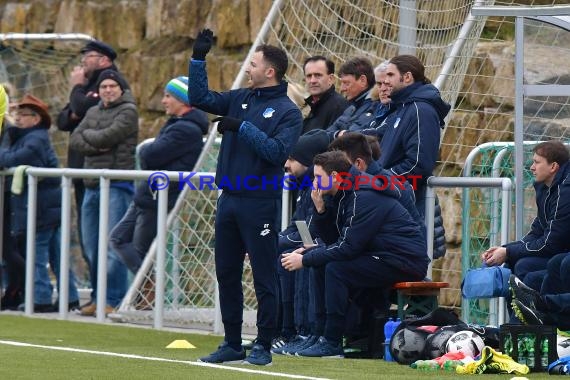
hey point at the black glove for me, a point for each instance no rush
(227, 123)
(203, 44)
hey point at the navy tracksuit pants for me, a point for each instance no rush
(247, 225)
(556, 289)
(334, 282)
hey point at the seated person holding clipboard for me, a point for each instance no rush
(294, 287)
(378, 244)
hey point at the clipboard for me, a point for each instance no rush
(305, 234)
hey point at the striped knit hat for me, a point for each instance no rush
(178, 87)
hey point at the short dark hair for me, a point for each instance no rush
(410, 63)
(277, 58)
(358, 66)
(334, 161)
(316, 58)
(355, 145)
(553, 151)
(374, 146)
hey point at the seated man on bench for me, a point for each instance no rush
(370, 241)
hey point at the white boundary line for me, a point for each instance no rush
(151, 358)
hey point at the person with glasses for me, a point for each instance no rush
(107, 137)
(96, 56)
(30, 146)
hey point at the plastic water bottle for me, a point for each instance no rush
(544, 353)
(530, 361)
(388, 331)
(508, 345)
(450, 365)
(521, 348)
(427, 365)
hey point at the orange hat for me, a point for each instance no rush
(37, 105)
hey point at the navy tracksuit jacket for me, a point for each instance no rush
(249, 171)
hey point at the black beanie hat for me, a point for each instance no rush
(309, 145)
(114, 75)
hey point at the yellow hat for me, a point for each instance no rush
(3, 105)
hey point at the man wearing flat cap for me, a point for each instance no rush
(96, 56)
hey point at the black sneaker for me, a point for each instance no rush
(527, 315)
(72, 306)
(40, 308)
(224, 354)
(290, 345)
(323, 349)
(258, 356)
(527, 295)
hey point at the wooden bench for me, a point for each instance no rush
(421, 297)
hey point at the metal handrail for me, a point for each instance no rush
(105, 176)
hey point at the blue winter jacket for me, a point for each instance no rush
(550, 229)
(410, 132)
(31, 146)
(255, 155)
(176, 148)
(369, 222)
(359, 115)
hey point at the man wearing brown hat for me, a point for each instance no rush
(30, 145)
(96, 56)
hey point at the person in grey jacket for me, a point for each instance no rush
(107, 136)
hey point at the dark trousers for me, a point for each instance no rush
(247, 225)
(556, 289)
(334, 283)
(132, 236)
(286, 300)
(79, 192)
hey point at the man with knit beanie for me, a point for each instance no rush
(176, 148)
(107, 137)
(296, 310)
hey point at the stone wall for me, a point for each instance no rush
(153, 37)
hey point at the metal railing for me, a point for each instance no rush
(505, 184)
(105, 176)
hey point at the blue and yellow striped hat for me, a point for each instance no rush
(178, 87)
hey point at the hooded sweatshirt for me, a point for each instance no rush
(411, 131)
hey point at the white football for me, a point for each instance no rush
(465, 341)
(563, 346)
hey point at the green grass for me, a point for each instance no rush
(23, 362)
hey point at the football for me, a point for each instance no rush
(563, 346)
(465, 341)
(407, 346)
(436, 342)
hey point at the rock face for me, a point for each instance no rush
(153, 38)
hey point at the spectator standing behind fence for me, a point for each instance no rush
(260, 125)
(377, 244)
(30, 146)
(107, 137)
(326, 104)
(96, 56)
(176, 148)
